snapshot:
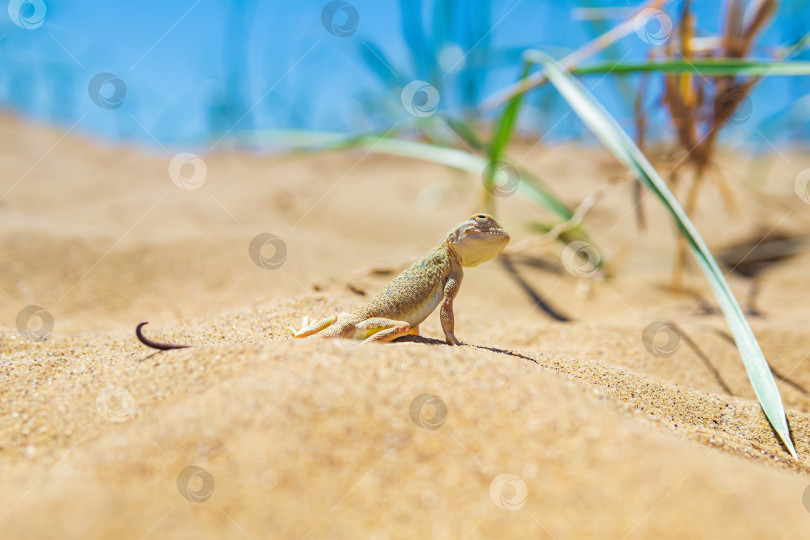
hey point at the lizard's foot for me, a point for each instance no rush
(381, 330)
(451, 339)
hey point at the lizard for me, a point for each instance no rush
(407, 300)
(400, 307)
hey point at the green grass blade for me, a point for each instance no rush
(467, 134)
(503, 133)
(506, 123)
(622, 146)
(530, 187)
(320, 141)
(708, 67)
(701, 66)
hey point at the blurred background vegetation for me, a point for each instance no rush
(196, 70)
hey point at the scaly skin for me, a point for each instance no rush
(406, 301)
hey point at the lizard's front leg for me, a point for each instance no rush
(446, 313)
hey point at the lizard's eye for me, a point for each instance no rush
(480, 216)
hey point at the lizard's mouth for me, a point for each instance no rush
(492, 232)
(486, 231)
(481, 245)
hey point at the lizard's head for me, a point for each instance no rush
(478, 239)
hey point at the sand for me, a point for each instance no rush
(313, 439)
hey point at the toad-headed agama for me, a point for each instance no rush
(408, 299)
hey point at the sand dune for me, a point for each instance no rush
(311, 439)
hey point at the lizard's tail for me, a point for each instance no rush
(155, 344)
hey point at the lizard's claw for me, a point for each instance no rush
(304, 323)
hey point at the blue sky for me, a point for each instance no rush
(195, 69)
